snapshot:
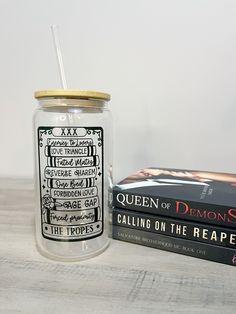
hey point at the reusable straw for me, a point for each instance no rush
(55, 34)
(69, 117)
(57, 46)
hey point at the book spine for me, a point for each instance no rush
(181, 209)
(175, 227)
(182, 246)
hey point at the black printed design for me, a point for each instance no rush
(71, 182)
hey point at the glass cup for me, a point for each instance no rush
(73, 178)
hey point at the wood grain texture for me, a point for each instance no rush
(126, 278)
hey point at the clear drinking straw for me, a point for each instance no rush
(57, 46)
(55, 35)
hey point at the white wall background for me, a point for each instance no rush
(170, 67)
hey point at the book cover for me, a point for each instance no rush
(215, 235)
(207, 197)
(177, 245)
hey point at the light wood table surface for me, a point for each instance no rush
(126, 278)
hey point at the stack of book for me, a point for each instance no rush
(187, 212)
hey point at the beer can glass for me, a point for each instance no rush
(73, 180)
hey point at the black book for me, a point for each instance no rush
(177, 245)
(175, 227)
(206, 197)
